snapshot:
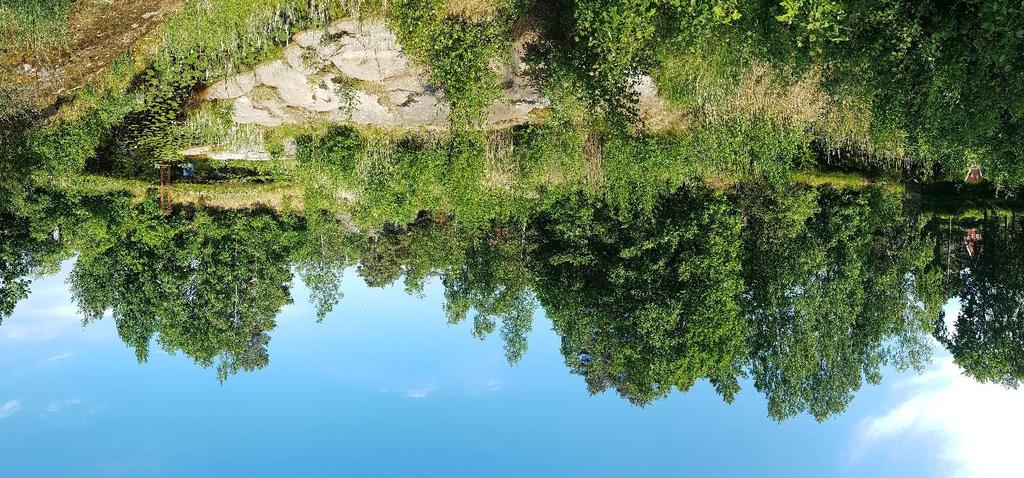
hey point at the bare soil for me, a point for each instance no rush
(99, 35)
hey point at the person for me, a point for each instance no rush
(973, 175)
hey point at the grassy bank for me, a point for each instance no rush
(738, 100)
(29, 28)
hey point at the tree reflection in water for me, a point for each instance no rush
(807, 292)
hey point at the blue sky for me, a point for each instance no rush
(385, 388)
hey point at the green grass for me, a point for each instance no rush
(234, 195)
(717, 88)
(380, 176)
(228, 35)
(737, 118)
(198, 44)
(32, 27)
(838, 180)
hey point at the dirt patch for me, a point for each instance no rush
(99, 35)
(473, 10)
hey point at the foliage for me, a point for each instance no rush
(16, 119)
(932, 83)
(986, 338)
(921, 89)
(644, 302)
(603, 46)
(328, 249)
(653, 279)
(21, 256)
(830, 283)
(808, 291)
(495, 282)
(208, 286)
(457, 53)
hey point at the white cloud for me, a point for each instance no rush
(43, 323)
(418, 393)
(487, 386)
(56, 358)
(50, 313)
(9, 408)
(979, 427)
(59, 405)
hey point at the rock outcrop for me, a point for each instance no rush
(356, 72)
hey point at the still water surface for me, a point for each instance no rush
(383, 387)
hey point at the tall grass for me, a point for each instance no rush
(203, 42)
(232, 34)
(734, 98)
(32, 27)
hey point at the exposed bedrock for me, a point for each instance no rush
(356, 72)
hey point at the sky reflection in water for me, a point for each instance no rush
(383, 387)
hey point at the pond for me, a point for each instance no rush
(798, 331)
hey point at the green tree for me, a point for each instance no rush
(644, 301)
(494, 282)
(35, 241)
(330, 246)
(209, 286)
(987, 340)
(16, 262)
(834, 282)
